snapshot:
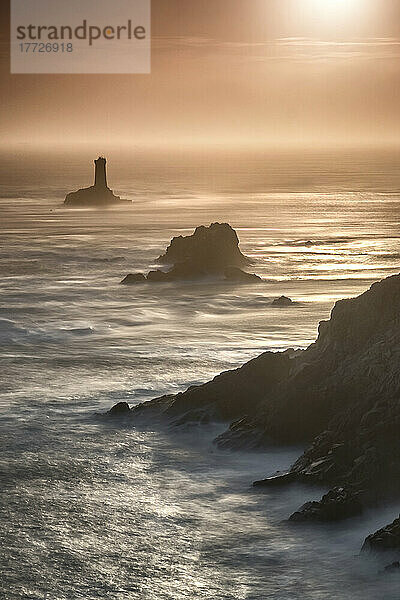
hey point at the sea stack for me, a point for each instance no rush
(98, 194)
(210, 252)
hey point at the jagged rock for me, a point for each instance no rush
(133, 278)
(225, 397)
(386, 539)
(157, 276)
(210, 252)
(283, 301)
(180, 272)
(119, 410)
(337, 504)
(236, 275)
(276, 480)
(98, 194)
(185, 272)
(339, 398)
(213, 248)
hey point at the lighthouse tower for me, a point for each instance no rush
(100, 177)
(98, 194)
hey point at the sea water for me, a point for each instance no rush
(98, 509)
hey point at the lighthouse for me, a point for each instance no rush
(98, 194)
(100, 177)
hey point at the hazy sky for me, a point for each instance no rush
(228, 71)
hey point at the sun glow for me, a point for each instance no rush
(334, 7)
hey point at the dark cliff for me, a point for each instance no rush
(340, 398)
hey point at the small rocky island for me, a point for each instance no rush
(339, 398)
(283, 302)
(210, 252)
(96, 195)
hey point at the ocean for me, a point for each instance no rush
(99, 509)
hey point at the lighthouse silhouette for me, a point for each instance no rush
(98, 194)
(100, 175)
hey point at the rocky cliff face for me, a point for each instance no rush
(340, 398)
(209, 252)
(386, 539)
(229, 395)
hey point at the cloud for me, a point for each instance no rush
(285, 49)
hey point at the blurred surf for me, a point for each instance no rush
(94, 510)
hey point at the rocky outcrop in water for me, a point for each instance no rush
(386, 542)
(96, 195)
(337, 504)
(210, 252)
(119, 410)
(340, 398)
(283, 301)
(278, 479)
(229, 395)
(214, 247)
(386, 539)
(133, 278)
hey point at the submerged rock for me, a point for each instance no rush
(98, 194)
(210, 252)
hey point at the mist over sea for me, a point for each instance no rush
(93, 509)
